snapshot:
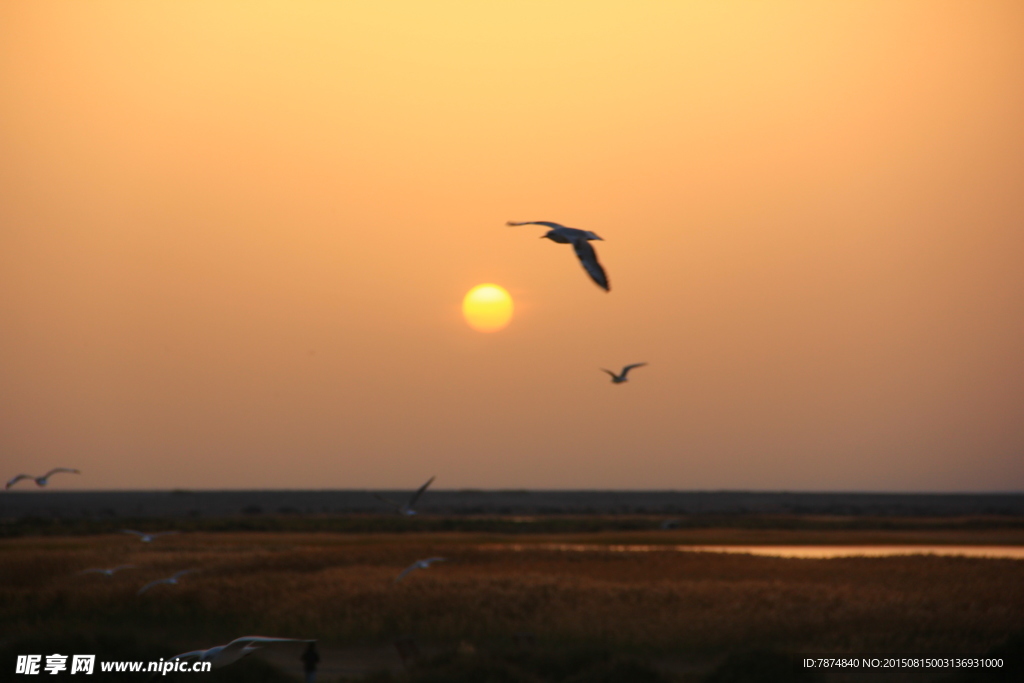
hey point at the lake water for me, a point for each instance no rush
(808, 552)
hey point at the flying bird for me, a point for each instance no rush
(405, 508)
(418, 564)
(107, 572)
(222, 655)
(621, 377)
(580, 241)
(43, 480)
(170, 580)
(147, 537)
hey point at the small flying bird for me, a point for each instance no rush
(580, 241)
(406, 508)
(170, 580)
(147, 537)
(222, 655)
(43, 480)
(107, 572)
(418, 564)
(621, 377)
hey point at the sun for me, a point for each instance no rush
(487, 308)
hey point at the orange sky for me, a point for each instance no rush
(235, 238)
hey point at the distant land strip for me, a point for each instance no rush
(180, 504)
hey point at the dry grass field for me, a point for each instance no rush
(679, 613)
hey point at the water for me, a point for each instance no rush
(806, 552)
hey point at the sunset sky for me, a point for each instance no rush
(235, 238)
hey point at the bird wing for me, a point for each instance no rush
(614, 376)
(254, 642)
(264, 640)
(430, 560)
(547, 224)
(246, 645)
(150, 585)
(195, 654)
(588, 257)
(61, 469)
(419, 492)
(235, 650)
(18, 478)
(182, 573)
(407, 570)
(626, 369)
(387, 500)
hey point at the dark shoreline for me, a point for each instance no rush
(17, 505)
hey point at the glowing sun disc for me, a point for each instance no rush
(487, 308)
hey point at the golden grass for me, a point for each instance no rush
(340, 589)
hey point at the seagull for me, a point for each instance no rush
(406, 509)
(40, 481)
(621, 377)
(150, 537)
(418, 564)
(170, 580)
(107, 572)
(222, 655)
(580, 241)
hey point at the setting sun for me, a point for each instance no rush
(487, 308)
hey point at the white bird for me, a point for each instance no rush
(107, 572)
(406, 508)
(170, 580)
(147, 537)
(418, 564)
(580, 241)
(621, 377)
(40, 481)
(222, 655)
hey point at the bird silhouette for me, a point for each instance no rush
(405, 508)
(43, 480)
(107, 572)
(147, 537)
(418, 564)
(222, 655)
(580, 241)
(621, 377)
(170, 580)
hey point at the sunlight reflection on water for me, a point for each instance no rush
(810, 552)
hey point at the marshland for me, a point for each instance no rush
(529, 605)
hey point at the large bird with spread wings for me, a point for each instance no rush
(43, 480)
(222, 655)
(580, 241)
